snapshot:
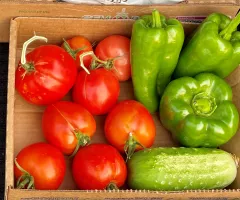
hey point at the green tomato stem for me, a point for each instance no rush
(23, 183)
(130, 146)
(82, 140)
(72, 52)
(25, 179)
(112, 186)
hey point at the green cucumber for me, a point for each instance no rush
(173, 169)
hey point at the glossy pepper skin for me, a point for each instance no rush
(214, 48)
(199, 111)
(155, 48)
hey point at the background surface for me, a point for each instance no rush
(3, 104)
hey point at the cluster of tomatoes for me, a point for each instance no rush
(92, 76)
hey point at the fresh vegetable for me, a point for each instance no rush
(214, 47)
(39, 166)
(199, 111)
(155, 47)
(97, 91)
(68, 126)
(99, 166)
(46, 74)
(130, 127)
(114, 51)
(76, 46)
(172, 169)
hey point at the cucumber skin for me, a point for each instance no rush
(174, 169)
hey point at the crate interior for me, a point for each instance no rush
(27, 117)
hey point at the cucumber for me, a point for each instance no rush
(174, 169)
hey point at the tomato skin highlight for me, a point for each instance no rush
(98, 91)
(54, 74)
(116, 47)
(80, 42)
(97, 165)
(129, 116)
(61, 120)
(45, 163)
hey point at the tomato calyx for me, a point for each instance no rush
(112, 186)
(97, 63)
(25, 179)
(29, 66)
(130, 146)
(72, 52)
(82, 140)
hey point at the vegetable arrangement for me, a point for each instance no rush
(182, 82)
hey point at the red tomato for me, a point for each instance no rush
(43, 164)
(68, 126)
(73, 47)
(116, 49)
(98, 91)
(47, 77)
(98, 166)
(129, 126)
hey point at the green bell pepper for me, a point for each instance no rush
(199, 111)
(155, 48)
(214, 48)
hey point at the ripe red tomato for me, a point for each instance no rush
(41, 166)
(116, 50)
(99, 166)
(129, 126)
(48, 75)
(98, 91)
(77, 46)
(68, 126)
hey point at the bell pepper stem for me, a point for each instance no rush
(26, 44)
(156, 19)
(227, 32)
(82, 140)
(203, 104)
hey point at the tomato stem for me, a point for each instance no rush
(130, 146)
(23, 183)
(72, 52)
(95, 62)
(19, 179)
(94, 43)
(19, 167)
(82, 139)
(25, 179)
(81, 60)
(31, 184)
(25, 46)
(112, 186)
(91, 53)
